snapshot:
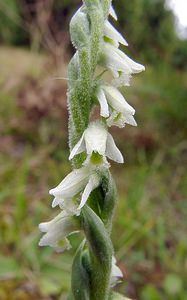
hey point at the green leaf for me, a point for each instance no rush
(79, 30)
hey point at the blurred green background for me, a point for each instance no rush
(149, 232)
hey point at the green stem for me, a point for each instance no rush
(91, 272)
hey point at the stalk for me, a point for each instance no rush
(87, 196)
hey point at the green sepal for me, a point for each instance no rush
(73, 70)
(92, 4)
(79, 30)
(80, 281)
(106, 6)
(101, 251)
(110, 198)
(103, 199)
(96, 17)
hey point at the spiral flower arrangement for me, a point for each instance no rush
(87, 196)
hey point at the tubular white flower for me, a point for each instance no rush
(121, 112)
(80, 180)
(71, 185)
(120, 64)
(98, 144)
(57, 230)
(115, 273)
(113, 34)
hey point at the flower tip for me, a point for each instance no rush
(51, 192)
(42, 227)
(113, 13)
(121, 160)
(41, 243)
(54, 203)
(70, 156)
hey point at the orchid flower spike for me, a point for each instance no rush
(66, 194)
(57, 230)
(111, 100)
(98, 144)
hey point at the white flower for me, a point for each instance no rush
(115, 273)
(120, 64)
(113, 13)
(121, 112)
(98, 144)
(57, 230)
(83, 180)
(113, 34)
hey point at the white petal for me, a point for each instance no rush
(112, 151)
(117, 101)
(64, 244)
(72, 184)
(79, 148)
(56, 201)
(113, 13)
(103, 103)
(113, 34)
(114, 61)
(95, 138)
(115, 273)
(133, 65)
(56, 231)
(92, 184)
(117, 60)
(44, 227)
(129, 119)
